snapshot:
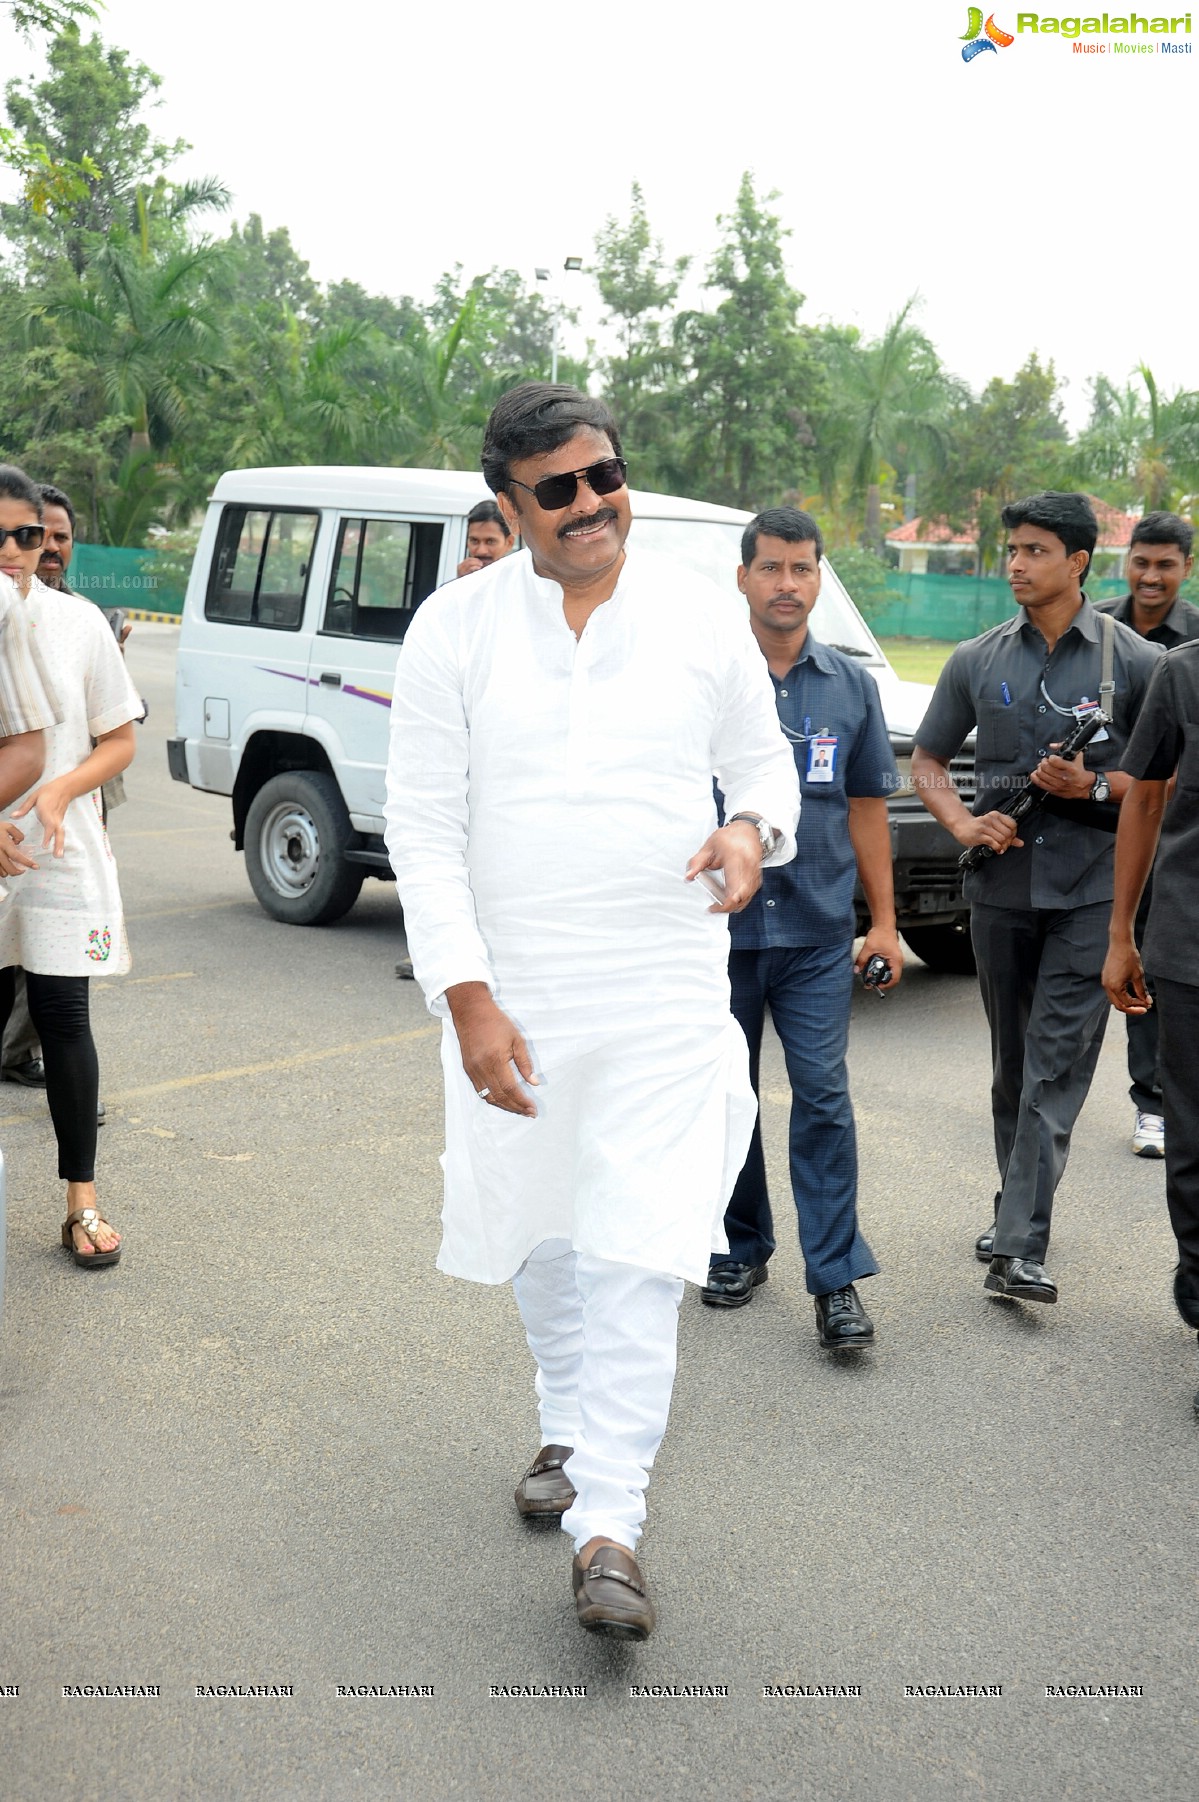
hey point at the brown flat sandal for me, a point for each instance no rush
(91, 1220)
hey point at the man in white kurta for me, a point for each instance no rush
(557, 722)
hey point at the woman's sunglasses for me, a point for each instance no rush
(26, 538)
(555, 492)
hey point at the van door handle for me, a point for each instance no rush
(330, 678)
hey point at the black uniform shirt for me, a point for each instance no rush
(1008, 686)
(1166, 738)
(1179, 625)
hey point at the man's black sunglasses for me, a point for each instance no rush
(26, 538)
(555, 492)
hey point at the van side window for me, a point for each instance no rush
(382, 571)
(261, 566)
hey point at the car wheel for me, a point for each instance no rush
(297, 831)
(946, 949)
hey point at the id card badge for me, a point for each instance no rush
(822, 758)
(1082, 712)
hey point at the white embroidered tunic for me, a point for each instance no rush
(544, 797)
(65, 917)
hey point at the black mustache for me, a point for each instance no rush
(599, 518)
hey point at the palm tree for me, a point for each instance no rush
(1168, 462)
(438, 420)
(891, 403)
(146, 320)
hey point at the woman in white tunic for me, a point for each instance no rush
(63, 921)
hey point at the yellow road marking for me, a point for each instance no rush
(121, 838)
(133, 982)
(193, 907)
(295, 1062)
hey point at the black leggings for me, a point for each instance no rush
(58, 1007)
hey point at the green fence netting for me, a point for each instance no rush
(153, 581)
(954, 607)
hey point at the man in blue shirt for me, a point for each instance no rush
(792, 947)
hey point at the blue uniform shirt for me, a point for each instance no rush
(823, 698)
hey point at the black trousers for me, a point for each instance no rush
(1144, 1077)
(58, 1006)
(1178, 1006)
(1038, 970)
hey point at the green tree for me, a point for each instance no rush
(1168, 459)
(45, 183)
(86, 112)
(1009, 443)
(147, 324)
(753, 378)
(891, 403)
(639, 288)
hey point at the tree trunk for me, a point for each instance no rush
(872, 530)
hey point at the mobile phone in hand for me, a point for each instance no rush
(714, 882)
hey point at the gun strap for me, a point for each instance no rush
(1107, 681)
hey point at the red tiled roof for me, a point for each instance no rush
(1115, 529)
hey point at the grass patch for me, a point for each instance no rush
(917, 659)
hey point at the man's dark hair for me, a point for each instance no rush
(536, 417)
(1164, 528)
(486, 513)
(15, 485)
(1069, 517)
(54, 497)
(787, 523)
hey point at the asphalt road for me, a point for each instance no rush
(275, 1447)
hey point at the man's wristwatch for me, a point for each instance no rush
(766, 833)
(1101, 789)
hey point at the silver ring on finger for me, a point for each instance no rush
(482, 1094)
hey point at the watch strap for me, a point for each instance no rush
(767, 836)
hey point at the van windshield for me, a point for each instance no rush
(713, 547)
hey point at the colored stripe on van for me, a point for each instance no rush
(360, 694)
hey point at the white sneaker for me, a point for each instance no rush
(1149, 1136)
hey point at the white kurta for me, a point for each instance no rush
(544, 797)
(65, 917)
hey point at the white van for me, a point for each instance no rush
(303, 584)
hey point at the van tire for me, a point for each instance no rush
(297, 833)
(946, 949)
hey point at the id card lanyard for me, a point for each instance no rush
(1107, 685)
(822, 749)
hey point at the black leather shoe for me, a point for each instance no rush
(984, 1246)
(1186, 1297)
(731, 1285)
(32, 1073)
(842, 1322)
(1021, 1279)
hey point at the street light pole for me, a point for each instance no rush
(575, 267)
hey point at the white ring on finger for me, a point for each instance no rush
(482, 1094)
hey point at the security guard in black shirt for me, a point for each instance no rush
(1040, 905)
(1159, 562)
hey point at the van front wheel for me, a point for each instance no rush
(297, 831)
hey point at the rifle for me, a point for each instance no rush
(1028, 798)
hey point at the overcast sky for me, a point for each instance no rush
(1037, 198)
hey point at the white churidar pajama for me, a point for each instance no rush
(604, 1337)
(543, 798)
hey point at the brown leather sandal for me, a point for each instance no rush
(91, 1220)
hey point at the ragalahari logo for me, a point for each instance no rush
(978, 37)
